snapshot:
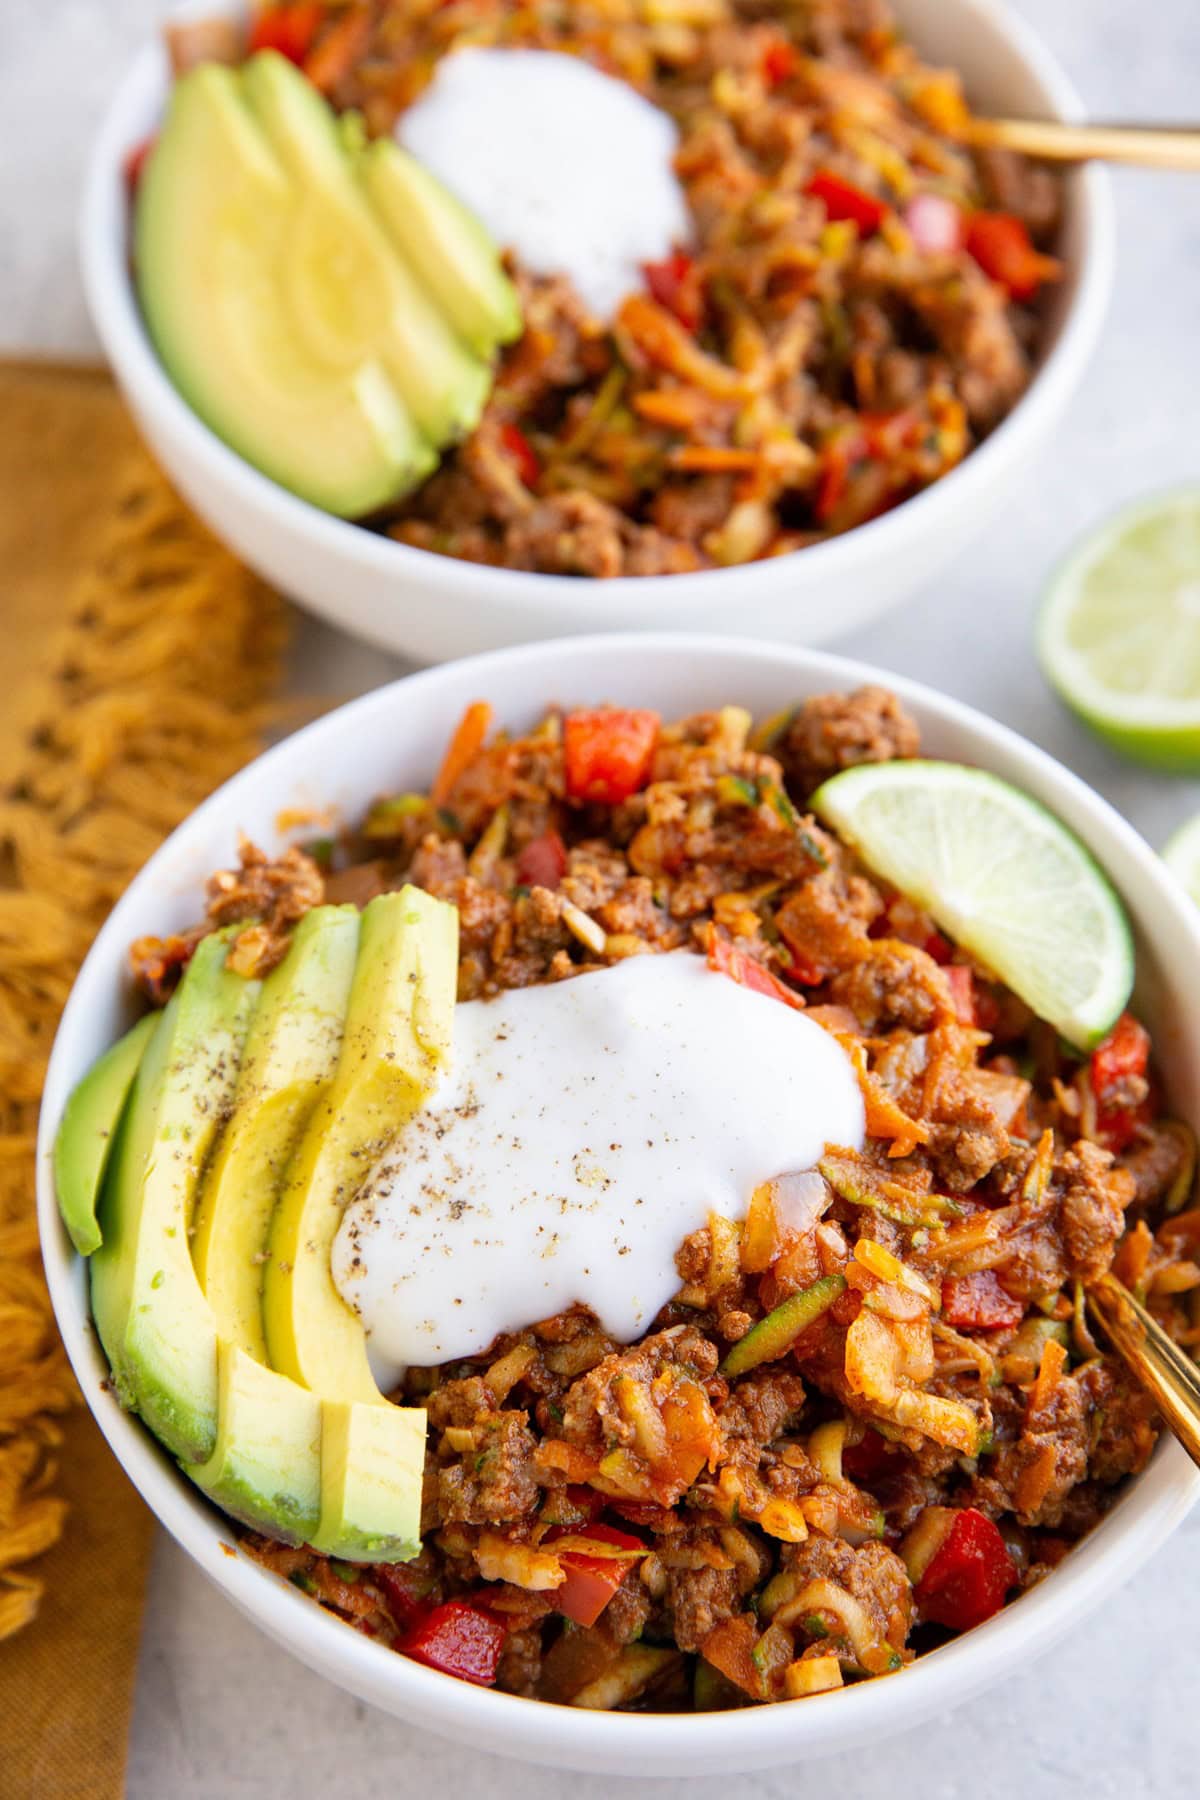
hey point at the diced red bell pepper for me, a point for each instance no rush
(987, 1009)
(608, 753)
(673, 282)
(725, 957)
(589, 1500)
(889, 434)
(522, 452)
(1001, 246)
(878, 437)
(1125, 1052)
(868, 1460)
(543, 861)
(962, 991)
(1123, 1056)
(970, 1575)
(808, 974)
(289, 29)
(779, 62)
(135, 162)
(459, 1639)
(935, 224)
(901, 918)
(591, 1581)
(978, 1302)
(405, 1589)
(842, 200)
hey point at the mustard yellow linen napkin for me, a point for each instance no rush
(138, 662)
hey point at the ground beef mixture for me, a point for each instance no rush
(752, 1504)
(854, 312)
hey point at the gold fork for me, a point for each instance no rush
(1160, 1365)
(1145, 146)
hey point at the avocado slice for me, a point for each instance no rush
(152, 1318)
(344, 283)
(87, 1131)
(237, 266)
(372, 1465)
(399, 1024)
(290, 1056)
(266, 1464)
(268, 1450)
(452, 254)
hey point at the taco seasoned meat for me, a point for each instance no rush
(862, 1421)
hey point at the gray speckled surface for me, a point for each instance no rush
(1112, 1712)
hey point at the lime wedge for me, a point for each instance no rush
(1181, 854)
(1119, 633)
(1001, 876)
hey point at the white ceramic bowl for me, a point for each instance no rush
(393, 738)
(431, 607)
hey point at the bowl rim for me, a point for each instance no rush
(527, 593)
(1149, 1509)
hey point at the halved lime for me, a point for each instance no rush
(1181, 854)
(1119, 633)
(1001, 876)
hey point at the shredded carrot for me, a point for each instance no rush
(714, 459)
(779, 457)
(680, 408)
(1178, 1278)
(1133, 1256)
(465, 745)
(661, 338)
(339, 50)
(1054, 1361)
(884, 1119)
(1182, 1228)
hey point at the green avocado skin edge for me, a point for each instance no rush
(88, 1129)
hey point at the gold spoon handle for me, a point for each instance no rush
(1147, 146)
(1160, 1365)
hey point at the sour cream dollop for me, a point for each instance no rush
(585, 1129)
(567, 167)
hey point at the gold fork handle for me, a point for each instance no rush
(1146, 146)
(1163, 1368)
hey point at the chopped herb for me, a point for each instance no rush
(815, 1625)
